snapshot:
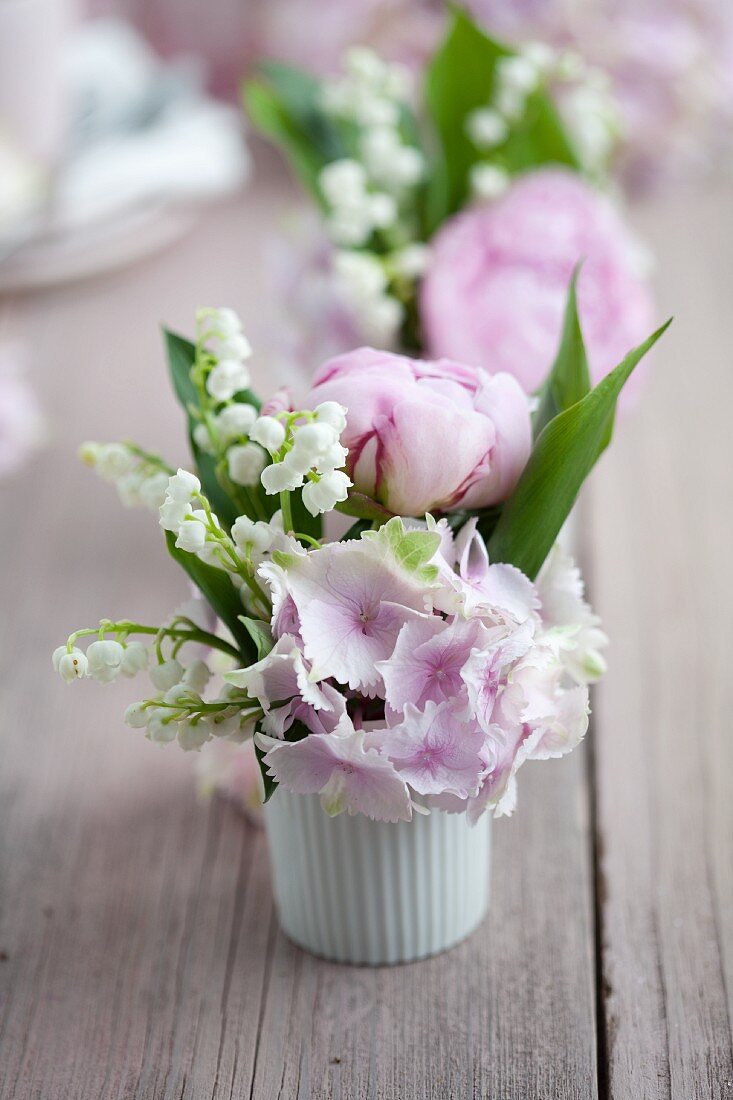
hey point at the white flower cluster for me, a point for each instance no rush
(356, 212)
(590, 113)
(225, 425)
(104, 660)
(186, 513)
(227, 432)
(179, 712)
(140, 478)
(361, 283)
(592, 116)
(220, 332)
(370, 93)
(370, 192)
(307, 454)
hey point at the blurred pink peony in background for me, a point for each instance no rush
(402, 413)
(497, 284)
(21, 424)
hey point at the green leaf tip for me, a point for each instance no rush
(564, 454)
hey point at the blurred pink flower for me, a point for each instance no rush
(231, 36)
(233, 771)
(670, 63)
(21, 424)
(402, 413)
(496, 288)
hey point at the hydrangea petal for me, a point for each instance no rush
(348, 777)
(437, 751)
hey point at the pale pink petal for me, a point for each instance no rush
(279, 676)
(437, 751)
(427, 661)
(352, 605)
(345, 775)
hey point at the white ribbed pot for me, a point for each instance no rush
(360, 891)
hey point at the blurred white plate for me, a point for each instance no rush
(57, 257)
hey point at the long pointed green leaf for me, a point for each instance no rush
(568, 381)
(460, 78)
(283, 104)
(217, 588)
(562, 458)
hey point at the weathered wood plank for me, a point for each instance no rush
(664, 755)
(142, 955)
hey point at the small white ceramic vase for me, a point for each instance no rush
(360, 891)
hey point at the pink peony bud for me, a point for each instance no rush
(427, 436)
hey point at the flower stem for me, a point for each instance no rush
(287, 512)
(124, 626)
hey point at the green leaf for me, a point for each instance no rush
(460, 78)
(568, 381)
(216, 587)
(283, 104)
(363, 507)
(260, 634)
(563, 456)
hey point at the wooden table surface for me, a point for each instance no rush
(140, 955)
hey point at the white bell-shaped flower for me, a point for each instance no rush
(105, 660)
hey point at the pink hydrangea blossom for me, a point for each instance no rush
(345, 774)
(284, 612)
(495, 292)
(454, 693)
(486, 669)
(499, 592)
(352, 603)
(425, 664)
(282, 685)
(437, 750)
(402, 412)
(279, 676)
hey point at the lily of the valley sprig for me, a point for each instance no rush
(440, 644)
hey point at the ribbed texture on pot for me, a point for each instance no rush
(361, 891)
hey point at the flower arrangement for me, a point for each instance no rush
(456, 215)
(417, 661)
